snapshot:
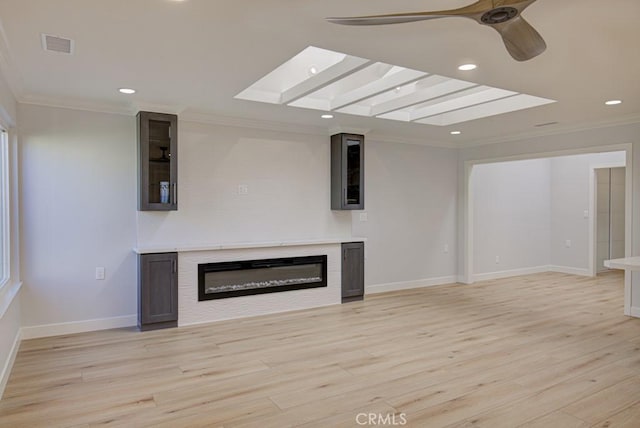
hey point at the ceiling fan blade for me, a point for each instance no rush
(397, 18)
(521, 40)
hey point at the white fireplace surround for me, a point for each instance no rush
(191, 311)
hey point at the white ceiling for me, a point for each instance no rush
(193, 56)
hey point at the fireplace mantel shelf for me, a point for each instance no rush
(179, 248)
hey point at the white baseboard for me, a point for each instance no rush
(406, 285)
(635, 311)
(569, 270)
(508, 273)
(48, 330)
(8, 365)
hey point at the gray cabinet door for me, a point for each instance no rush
(157, 161)
(352, 271)
(347, 172)
(157, 291)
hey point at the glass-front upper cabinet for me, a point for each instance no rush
(158, 161)
(347, 172)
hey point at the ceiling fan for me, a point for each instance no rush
(521, 40)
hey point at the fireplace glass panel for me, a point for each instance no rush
(229, 279)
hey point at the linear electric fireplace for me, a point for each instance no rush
(243, 278)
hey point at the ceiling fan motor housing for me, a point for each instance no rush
(499, 15)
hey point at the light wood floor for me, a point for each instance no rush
(546, 350)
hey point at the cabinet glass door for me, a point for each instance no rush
(159, 162)
(353, 172)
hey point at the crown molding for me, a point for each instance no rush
(241, 122)
(75, 104)
(195, 116)
(348, 130)
(560, 130)
(384, 138)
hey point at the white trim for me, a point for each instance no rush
(8, 365)
(47, 330)
(5, 211)
(460, 279)
(7, 294)
(593, 215)
(628, 224)
(570, 270)
(635, 311)
(192, 115)
(509, 273)
(406, 285)
(467, 260)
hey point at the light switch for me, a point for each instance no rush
(364, 217)
(100, 273)
(567, 243)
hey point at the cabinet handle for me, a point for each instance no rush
(344, 196)
(175, 266)
(175, 193)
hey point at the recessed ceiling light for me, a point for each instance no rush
(127, 91)
(456, 132)
(327, 116)
(313, 70)
(613, 102)
(467, 67)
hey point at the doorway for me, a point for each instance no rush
(610, 215)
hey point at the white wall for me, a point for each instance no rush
(511, 217)
(79, 197)
(410, 200)
(289, 189)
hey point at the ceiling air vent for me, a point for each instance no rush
(57, 44)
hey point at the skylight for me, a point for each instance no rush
(335, 82)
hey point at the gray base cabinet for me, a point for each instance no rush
(157, 291)
(352, 271)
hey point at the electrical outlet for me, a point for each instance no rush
(446, 248)
(243, 189)
(585, 214)
(497, 259)
(364, 217)
(99, 273)
(567, 243)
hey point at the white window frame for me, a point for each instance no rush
(5, 238)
